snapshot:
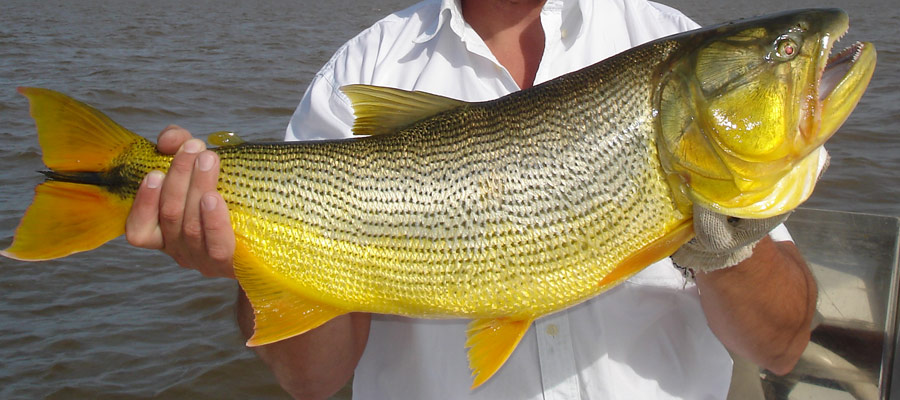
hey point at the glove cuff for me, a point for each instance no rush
(692, 258)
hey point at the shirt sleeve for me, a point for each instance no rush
(781, 234)
(648, 21)
(681, 21)
(323, 113)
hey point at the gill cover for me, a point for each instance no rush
(742, 115)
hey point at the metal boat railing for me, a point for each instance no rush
(854, 258)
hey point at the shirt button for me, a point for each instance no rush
(552, 330)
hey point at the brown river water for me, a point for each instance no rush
(119, 322)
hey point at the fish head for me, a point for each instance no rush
(743, 109)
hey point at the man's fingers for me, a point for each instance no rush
(204, 177)
(173, 196)
(142, 225)
(217, 232)
(171, 139)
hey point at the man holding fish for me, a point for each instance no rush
(659, 335)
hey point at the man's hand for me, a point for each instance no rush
(180, 212)
(721, 241)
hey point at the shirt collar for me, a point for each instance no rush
(450, 12)
(577, 12)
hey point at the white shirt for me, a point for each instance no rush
(645, 339)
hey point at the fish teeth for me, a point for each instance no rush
(853, 52)
(828, 78)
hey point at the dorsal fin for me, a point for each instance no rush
(381, 110)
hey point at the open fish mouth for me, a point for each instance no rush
(842, 81)
(838, 67)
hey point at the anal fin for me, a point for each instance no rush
(490, 342)
(280, 310)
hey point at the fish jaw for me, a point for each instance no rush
(843, 90)
(744, 112)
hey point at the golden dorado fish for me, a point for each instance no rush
(499, 211)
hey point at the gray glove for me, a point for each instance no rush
(722, 241)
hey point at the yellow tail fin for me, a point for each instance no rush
(75, 136)
(67, 218)
(85, 201)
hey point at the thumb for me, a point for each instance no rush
(713, 230)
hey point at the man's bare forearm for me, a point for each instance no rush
(762, 308)
(318, 363)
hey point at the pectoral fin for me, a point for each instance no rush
(280, 310)
(651, 253)
(490, 343)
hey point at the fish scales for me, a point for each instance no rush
(483, 219)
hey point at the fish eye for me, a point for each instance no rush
(786, 48)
